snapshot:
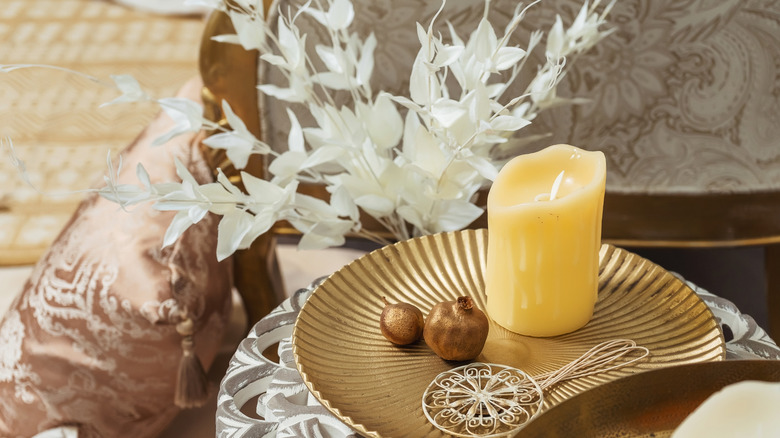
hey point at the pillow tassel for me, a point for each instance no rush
(191, 384)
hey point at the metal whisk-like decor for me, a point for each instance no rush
(482, 399)
(492, 400)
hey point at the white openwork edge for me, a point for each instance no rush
(289, 410)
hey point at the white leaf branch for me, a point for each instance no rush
(414, 163)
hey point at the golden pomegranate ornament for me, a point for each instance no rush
(401, 323)
(456, 330)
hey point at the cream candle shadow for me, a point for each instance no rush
(544, 236)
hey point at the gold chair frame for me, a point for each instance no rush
(635, 220)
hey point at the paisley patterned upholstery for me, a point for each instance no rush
(684, 96)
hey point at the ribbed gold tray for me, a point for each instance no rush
(376, 387)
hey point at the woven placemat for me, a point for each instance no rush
(54, 118)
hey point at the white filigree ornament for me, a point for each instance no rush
(492, 400)
(482, 400)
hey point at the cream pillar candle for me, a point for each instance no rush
(544, 235)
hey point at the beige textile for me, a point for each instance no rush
(685, 95)
(91, 341)
(54, 118)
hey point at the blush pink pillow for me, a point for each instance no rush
(91, 341)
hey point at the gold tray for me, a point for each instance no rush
(376, 387)
(647, 405)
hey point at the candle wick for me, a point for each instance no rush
(556, 185)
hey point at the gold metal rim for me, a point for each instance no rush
(375, 387)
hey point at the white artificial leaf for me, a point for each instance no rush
(130, 88)
(231, 231)
(186, 115)
(456, 214)
(447, 111)
(175, 201)
(273, 59)
(334, 227)
(418, 82)
(556, 38)
(340, 14)
(579, 23)
(493, 91)
(295, 137)
(542, 86)
(216, 192)
(343, 203)
(484, 40)
(428, 155)
(411, 125)
(287, 164)
(260, 225)
(222, 140)
(329, 58)
(485, 167)
(125, 194)
(143, 176)
(322, 155)
(508, 123)
(245, 142)
(411, 215)
(260, 189)
(285, 94)
(448, 55)
(325, 234)
(302, 10)
(233, 120)
(178, 226)
(422, 37)
(223, 179)
(335, 81)
(405, 102)
(237, 148)
(508, 57)
(315, 206)
(249, 31)
(221, 200)
(456, 40)
(186, 177)
(196, 213)
(365, 67)
(289, 44)
(479, 103)
(471, 74)
(347, 120)
(314, 241)
(317, 15)
(375, 205)
(165, 188)
(290, 190)
(384, 123)
(371, 158)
